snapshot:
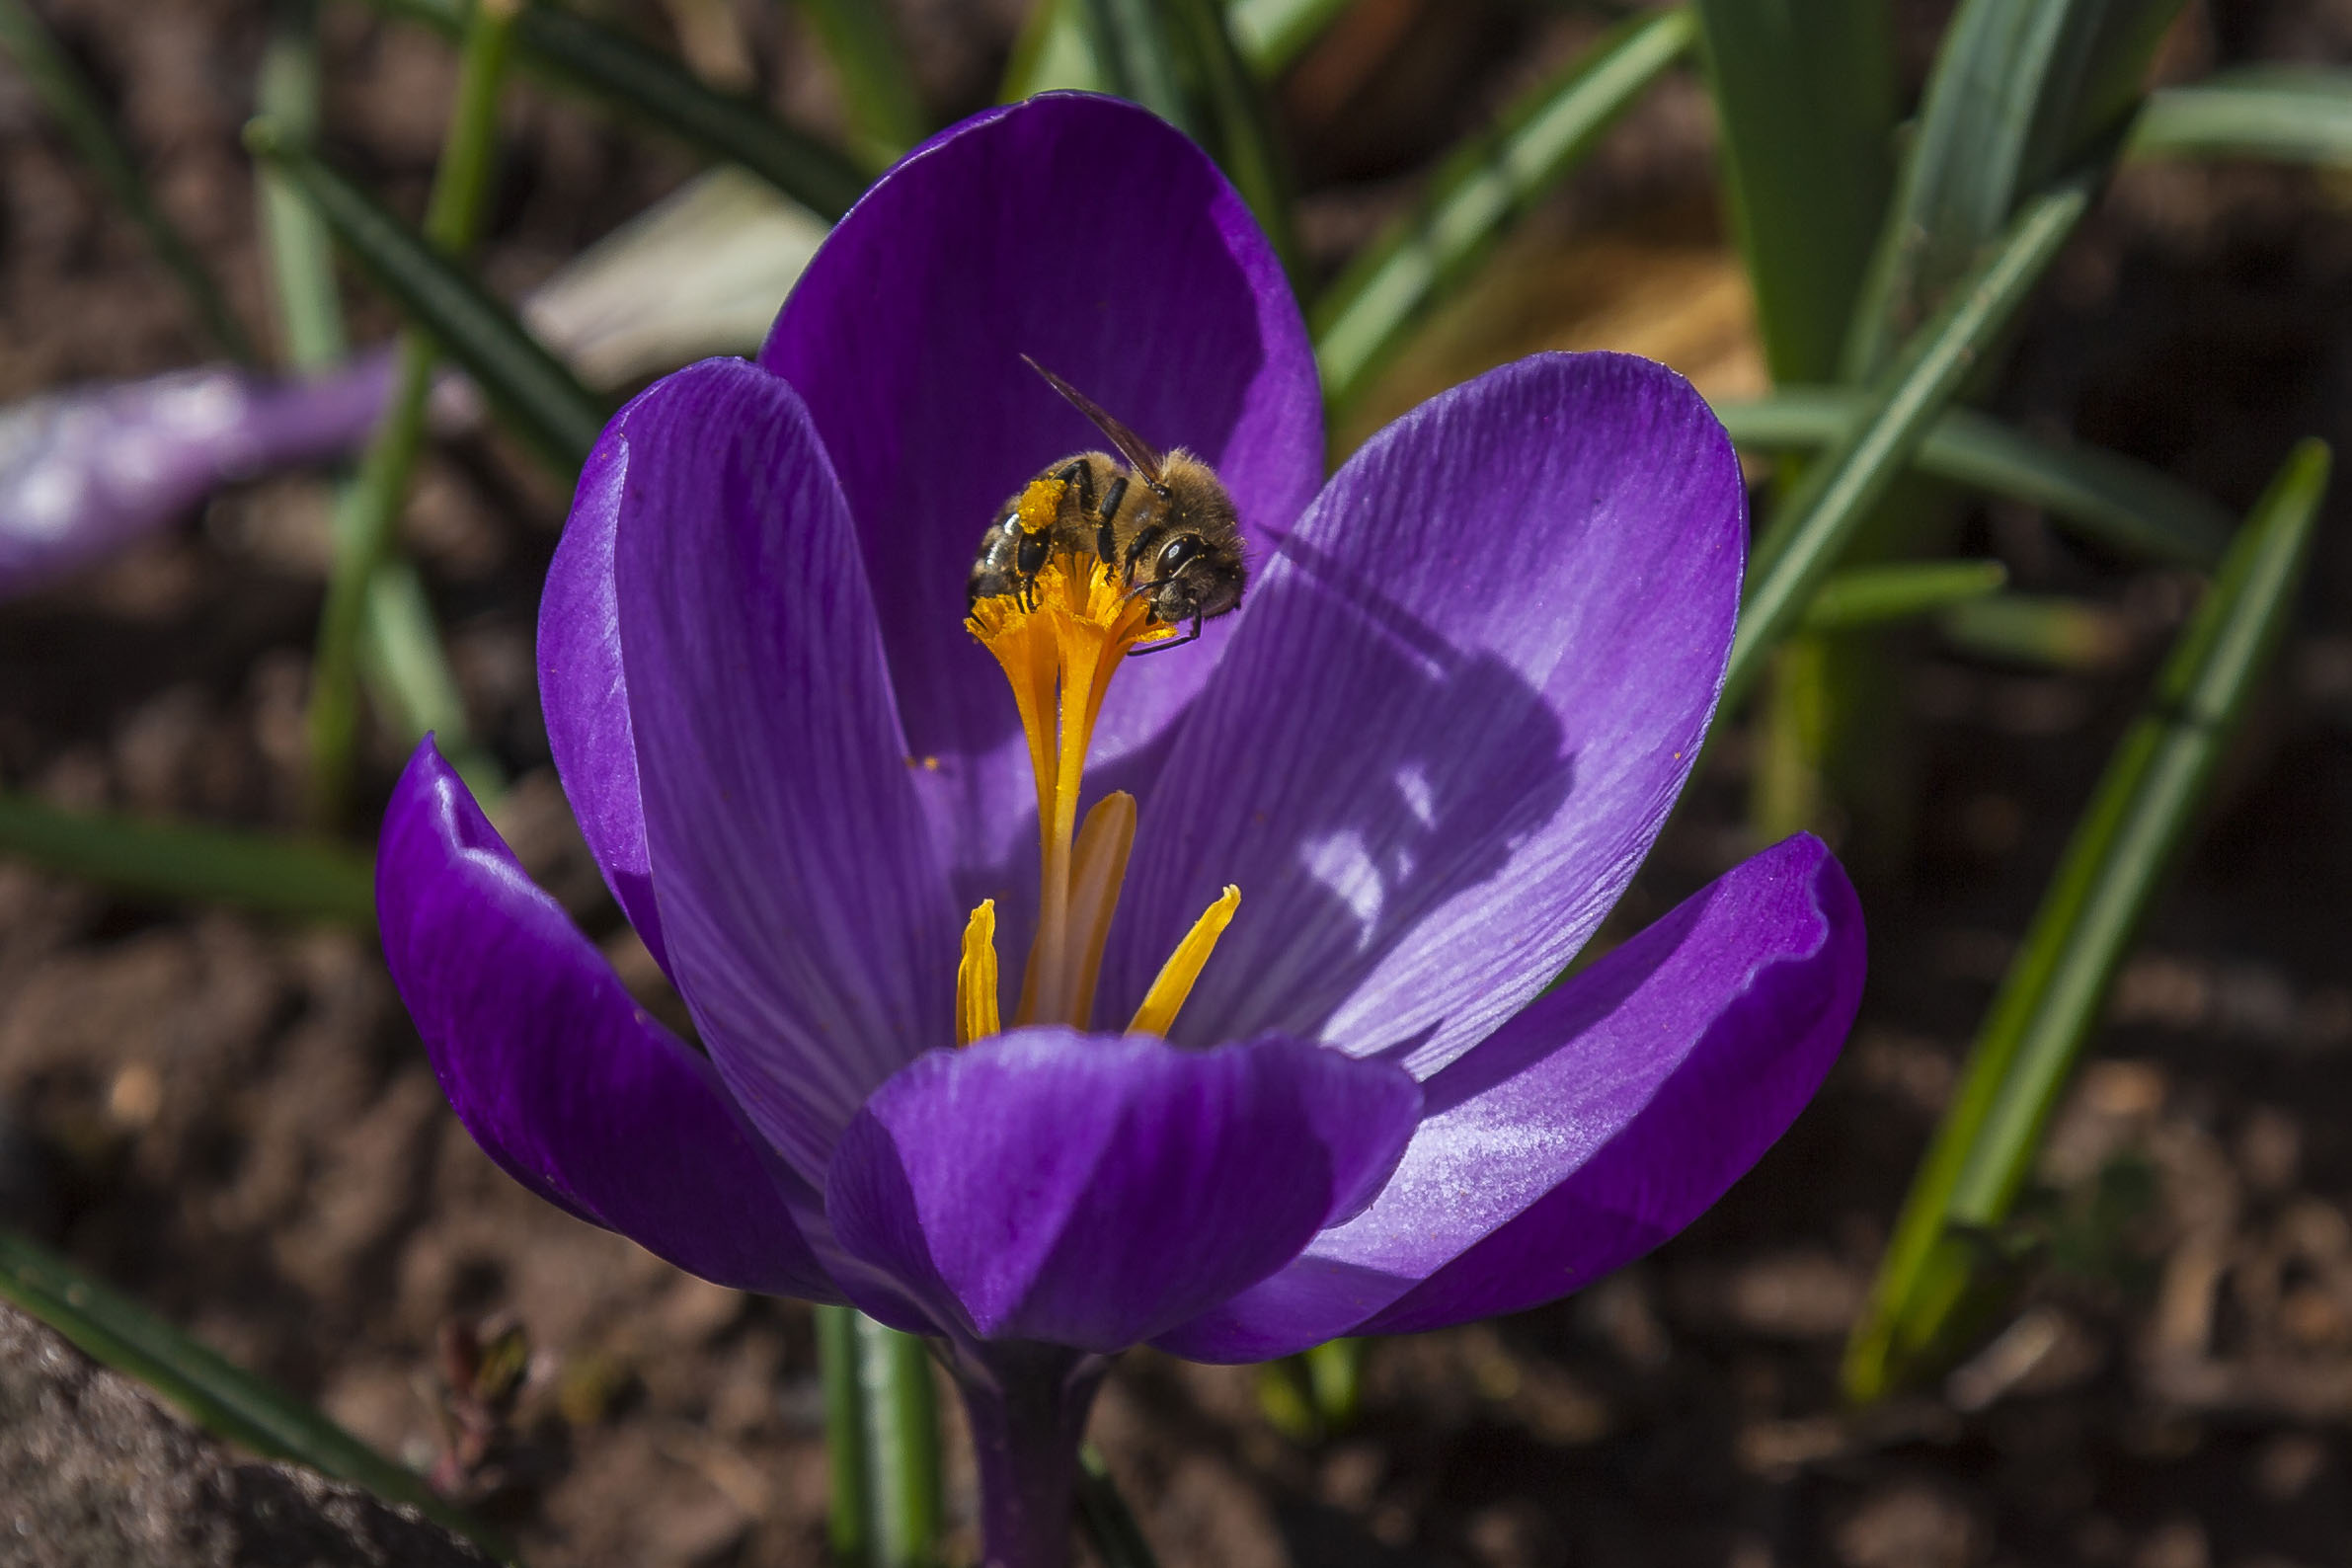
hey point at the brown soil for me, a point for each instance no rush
(233, 1121)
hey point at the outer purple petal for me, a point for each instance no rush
(1088, 1190)
(585, 691)
(806, 918)
(1090, 235)
(1598, 1122)
(557, 1072)
(88, 470)
(1461, 703)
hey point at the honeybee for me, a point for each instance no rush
(1165, 516)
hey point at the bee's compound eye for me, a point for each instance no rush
(1180, 553)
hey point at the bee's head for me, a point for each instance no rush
(1193, 576)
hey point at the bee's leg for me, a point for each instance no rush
(1137, 548)
(1192, 634)
(1075, 472)
(1106, 544)
(1029, 559)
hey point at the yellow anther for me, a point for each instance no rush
(976, 978)
(1176, 975)
(1098, 869)
(1061, 640)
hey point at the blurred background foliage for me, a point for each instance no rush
(1844, 219)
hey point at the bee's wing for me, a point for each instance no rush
(1138, 451)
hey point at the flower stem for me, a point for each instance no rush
(1027, 1405)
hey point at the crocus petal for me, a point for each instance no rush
(1598, 1122)
(1461, 700)
(806, 919)
(1088, 234)
(86, 471)
(561, 1077)
(1090, 1192)
(584, 690)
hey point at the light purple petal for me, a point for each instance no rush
(805, 915)
(585, 691)
(1600, 1121)
(1091, 1191)
(561, 1077)
(88, 470)
(1456, 711)
(1090, 235)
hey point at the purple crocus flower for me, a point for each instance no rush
(85, 471)
(1470, 675)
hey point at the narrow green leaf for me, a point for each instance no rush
(2022, 91)
(82, 114)
(609, 65)
(1873, 595)
(545, 403)
(849, 1527)
(299, 878)
(1479, 194)
(1811, 528)
(1805, 94)
(2052, 997)
(401, 655)
(876, 82)
(370, 509)
(881, 1430)
(902, 1420)
(2038, 629)
(217, 1395)
(2290, 114)
(1053, 51)
(1130, 42)
(2102, 496)
(301, 257)
(1110, 1524)
(1271, 34)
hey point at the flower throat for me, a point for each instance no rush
(1060, 641)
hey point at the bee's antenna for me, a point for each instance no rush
(1138, 452)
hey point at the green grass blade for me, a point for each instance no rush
(75, 106)
(1875, 596)
(848, 1528)
(1272, 34)
(365, 522)
(294, 238)
(1132, 43)
(1054, 51)
(2051, 998)
(1812, 527)
(606, 64)
(1366, 314)
(1110, 1524)
(881, 1433)
(2101, 496)
(400, 656)
(217, 1395)
(545, 403)
(2021, 91)
(2291, 114)
(885, 110)
(2044, 630)
(902, 1424)
(1805, 94)
(293, 877)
